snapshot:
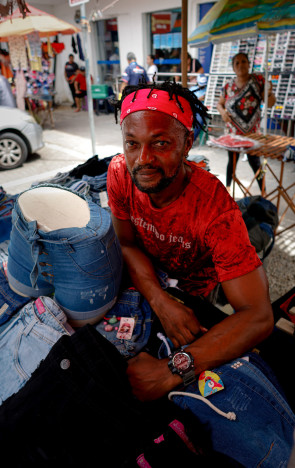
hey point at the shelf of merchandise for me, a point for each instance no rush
(281, 63)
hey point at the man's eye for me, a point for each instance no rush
(130, 144)
(161, 143)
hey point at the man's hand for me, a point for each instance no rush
(179, 322)
(150, 378)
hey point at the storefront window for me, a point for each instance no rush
(166, 39)
(108, 51)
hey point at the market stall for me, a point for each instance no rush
(32, 57)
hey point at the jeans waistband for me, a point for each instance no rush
(99, 227)
(43, 310)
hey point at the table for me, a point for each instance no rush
(47, 113)
(272, 147)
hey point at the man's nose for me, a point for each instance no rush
(145, 155)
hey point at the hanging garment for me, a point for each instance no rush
(34, 51)
(74, 45)
(81, 55)
(21, 88)
(17, 51)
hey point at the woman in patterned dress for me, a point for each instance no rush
(239, 107)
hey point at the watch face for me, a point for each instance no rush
(181, 361)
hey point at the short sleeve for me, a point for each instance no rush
(116, 188)
(261, 82)
(232, 252)
(126, 75)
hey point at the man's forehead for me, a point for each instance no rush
(156, 122)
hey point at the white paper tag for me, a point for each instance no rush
(103, 197)
(125, 328)
(3, 309)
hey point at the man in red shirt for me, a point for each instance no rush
(80, 87)
(171, 214)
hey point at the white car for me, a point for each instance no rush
(20, 135)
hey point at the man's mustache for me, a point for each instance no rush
(137, 169)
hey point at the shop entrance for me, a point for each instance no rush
(165, 40)
(108, 51)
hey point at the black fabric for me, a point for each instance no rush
(92, 167)
(261, 219)
(78, 410)
(74, 45)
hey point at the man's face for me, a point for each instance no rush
(155, 146)
(149, 61)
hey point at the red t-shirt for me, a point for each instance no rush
(81, 80)
(199, 239)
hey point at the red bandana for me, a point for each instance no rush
(159, 100)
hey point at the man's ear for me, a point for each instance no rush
(189, 142)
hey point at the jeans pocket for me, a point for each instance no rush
(91, 259)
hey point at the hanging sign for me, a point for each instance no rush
(73, 3)
(161, 23)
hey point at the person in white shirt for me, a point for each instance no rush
(152, 68)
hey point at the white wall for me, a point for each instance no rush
(131, 31)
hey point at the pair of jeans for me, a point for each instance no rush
(81, 266)
(262, 433)
(130, 304)
(27, 339)
(10, 301)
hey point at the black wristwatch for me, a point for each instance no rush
(181, 362)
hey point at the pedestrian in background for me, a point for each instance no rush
(70, 71)
(239, 107)
(152, 68)
(134, 73)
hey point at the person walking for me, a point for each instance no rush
(70, 71)
(134, 73)
(239, 107)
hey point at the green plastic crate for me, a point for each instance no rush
(100, 91)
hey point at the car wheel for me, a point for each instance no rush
(13, 151)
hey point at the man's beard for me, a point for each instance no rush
(164, 182)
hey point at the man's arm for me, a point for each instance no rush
(179, 321)
(250, 324)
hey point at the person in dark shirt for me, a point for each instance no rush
(70, 71)
(134, 73)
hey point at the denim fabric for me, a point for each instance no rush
(26, 340)
(82, 266)
(61, 178)
(5, 227)
(10, 302)
(129, 304)
(98, 189)
(262, 433)
(97, 183)
(76, 410)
